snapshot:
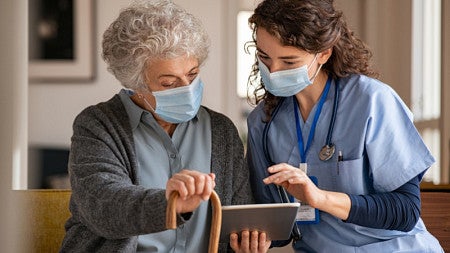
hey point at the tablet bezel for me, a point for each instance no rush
(276, 219)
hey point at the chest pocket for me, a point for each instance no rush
(349, 176)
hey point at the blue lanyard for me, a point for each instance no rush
(300, 142)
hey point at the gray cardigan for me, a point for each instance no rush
(109, 207)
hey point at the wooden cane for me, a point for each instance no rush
(216, 221)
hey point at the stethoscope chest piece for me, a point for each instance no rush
(327, 152)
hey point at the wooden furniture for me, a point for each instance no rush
(44, 214)
(216, 221)
(436, 215)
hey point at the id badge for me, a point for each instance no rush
(307, 214)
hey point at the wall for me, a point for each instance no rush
(385, 26)
(53, 106)
(445, 92)
(13, 111)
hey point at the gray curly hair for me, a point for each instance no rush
(148, 30)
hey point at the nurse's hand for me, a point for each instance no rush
(193, 187)
(299, 185)
(249, 242)
(296, 182)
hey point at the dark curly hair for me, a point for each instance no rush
(312, 26)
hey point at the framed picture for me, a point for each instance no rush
(61, 40)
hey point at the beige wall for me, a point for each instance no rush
(53, 106)
(385, 26)
(13, 109)
(445, 93)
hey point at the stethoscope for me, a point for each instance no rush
(325, 153)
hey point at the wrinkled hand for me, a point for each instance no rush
(296, 182)
(193, 187)
(250, 242)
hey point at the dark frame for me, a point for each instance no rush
(77, 66)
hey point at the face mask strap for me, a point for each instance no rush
(317, 72)
(146, 101)
(314, 60)
(318, 69)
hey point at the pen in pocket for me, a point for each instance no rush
(340, 159)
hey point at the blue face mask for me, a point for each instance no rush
(180, 104)
(286, 83)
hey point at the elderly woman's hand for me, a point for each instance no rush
(193, 187)
(250, 242)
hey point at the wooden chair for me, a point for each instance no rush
(44, 214)
(436, 215)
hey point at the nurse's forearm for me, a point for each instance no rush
(397, 210)
(335, 203)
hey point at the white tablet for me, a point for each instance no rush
(276, 220)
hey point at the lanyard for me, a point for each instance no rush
(300, 142)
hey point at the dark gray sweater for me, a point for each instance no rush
(109, 208)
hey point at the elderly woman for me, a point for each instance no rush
(129, 153)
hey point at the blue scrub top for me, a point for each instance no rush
(381, 149)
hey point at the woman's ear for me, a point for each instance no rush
(323, 56)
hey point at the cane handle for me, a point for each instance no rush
(216, 221)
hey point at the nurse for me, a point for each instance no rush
(326, 133)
